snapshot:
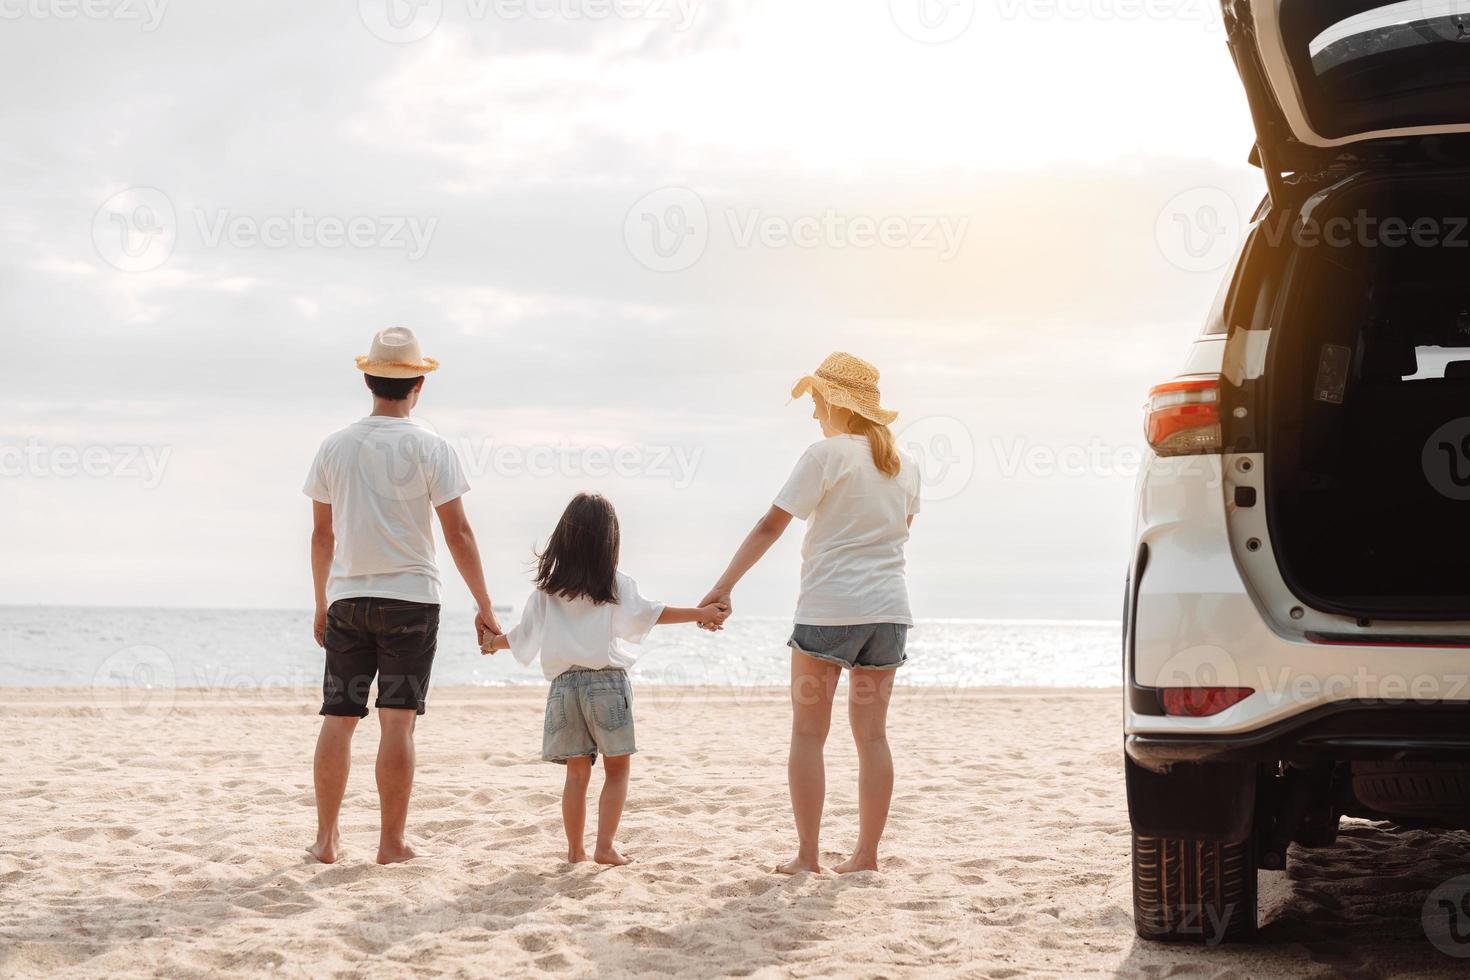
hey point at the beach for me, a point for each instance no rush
(164, 836)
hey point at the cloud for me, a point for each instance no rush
(527, 142)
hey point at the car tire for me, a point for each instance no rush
(1194, 891)
(1424, 790)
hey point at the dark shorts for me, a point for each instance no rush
(871, 646)
(389, 639)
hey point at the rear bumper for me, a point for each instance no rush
(1192, 620)
(1348, 730)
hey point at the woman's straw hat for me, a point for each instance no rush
(395, 354)
(847, 382)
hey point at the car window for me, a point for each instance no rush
(1394, 65)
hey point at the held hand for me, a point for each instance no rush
(722, 599)
(319, 627)
(714, 614)
(486, 626)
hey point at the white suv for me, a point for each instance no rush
(1297, 624)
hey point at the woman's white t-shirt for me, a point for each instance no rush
(576, 633)
(852, 564)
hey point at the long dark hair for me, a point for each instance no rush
(581, 559)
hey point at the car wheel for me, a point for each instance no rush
(1194, 891)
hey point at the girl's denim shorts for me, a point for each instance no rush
(871, 646)
(587, 712)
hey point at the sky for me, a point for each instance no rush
(625, 227)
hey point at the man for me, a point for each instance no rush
(374, 486)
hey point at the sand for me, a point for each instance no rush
(168, 842)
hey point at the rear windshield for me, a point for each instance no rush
(1365, 65)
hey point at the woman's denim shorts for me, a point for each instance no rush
(587, 712)
(871, 646)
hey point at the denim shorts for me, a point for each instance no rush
(872, 646)
(387, 639)
(587, 712)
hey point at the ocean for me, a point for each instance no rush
(43, 646)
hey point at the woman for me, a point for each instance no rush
(858, 495)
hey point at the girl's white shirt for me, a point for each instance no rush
(577, 633)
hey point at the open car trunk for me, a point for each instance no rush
(1368, 406)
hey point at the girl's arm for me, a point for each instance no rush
(767, 531)
(710, 612)
(525, 640)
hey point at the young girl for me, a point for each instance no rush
(581, 608)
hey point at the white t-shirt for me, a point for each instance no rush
(383, 477)
(852, 564)
(570, 633)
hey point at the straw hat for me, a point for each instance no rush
(395, 354)
(847, 382)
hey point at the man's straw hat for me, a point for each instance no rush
(395, 354)
(847, 382)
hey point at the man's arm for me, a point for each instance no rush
(465, 551)
(323, 544)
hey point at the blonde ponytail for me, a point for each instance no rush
(880, 439)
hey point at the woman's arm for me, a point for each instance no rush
(767, 531)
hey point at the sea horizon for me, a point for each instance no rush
(1000, 620)
(184, 647)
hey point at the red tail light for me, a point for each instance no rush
(1201, 702)
(1184, 417)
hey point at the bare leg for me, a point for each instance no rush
(329, 772)
(395, 781)
(610, 808)
(813, 683)
(574, 807)
(868, 694)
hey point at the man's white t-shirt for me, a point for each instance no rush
(576, 633)
(852, 563)
(383, 477)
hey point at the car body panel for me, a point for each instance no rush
(1209, 607)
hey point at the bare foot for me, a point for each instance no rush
(395, 855)
(797, 865)
(610, 856)
(325, 851)
(857, 863)
(577, 856)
